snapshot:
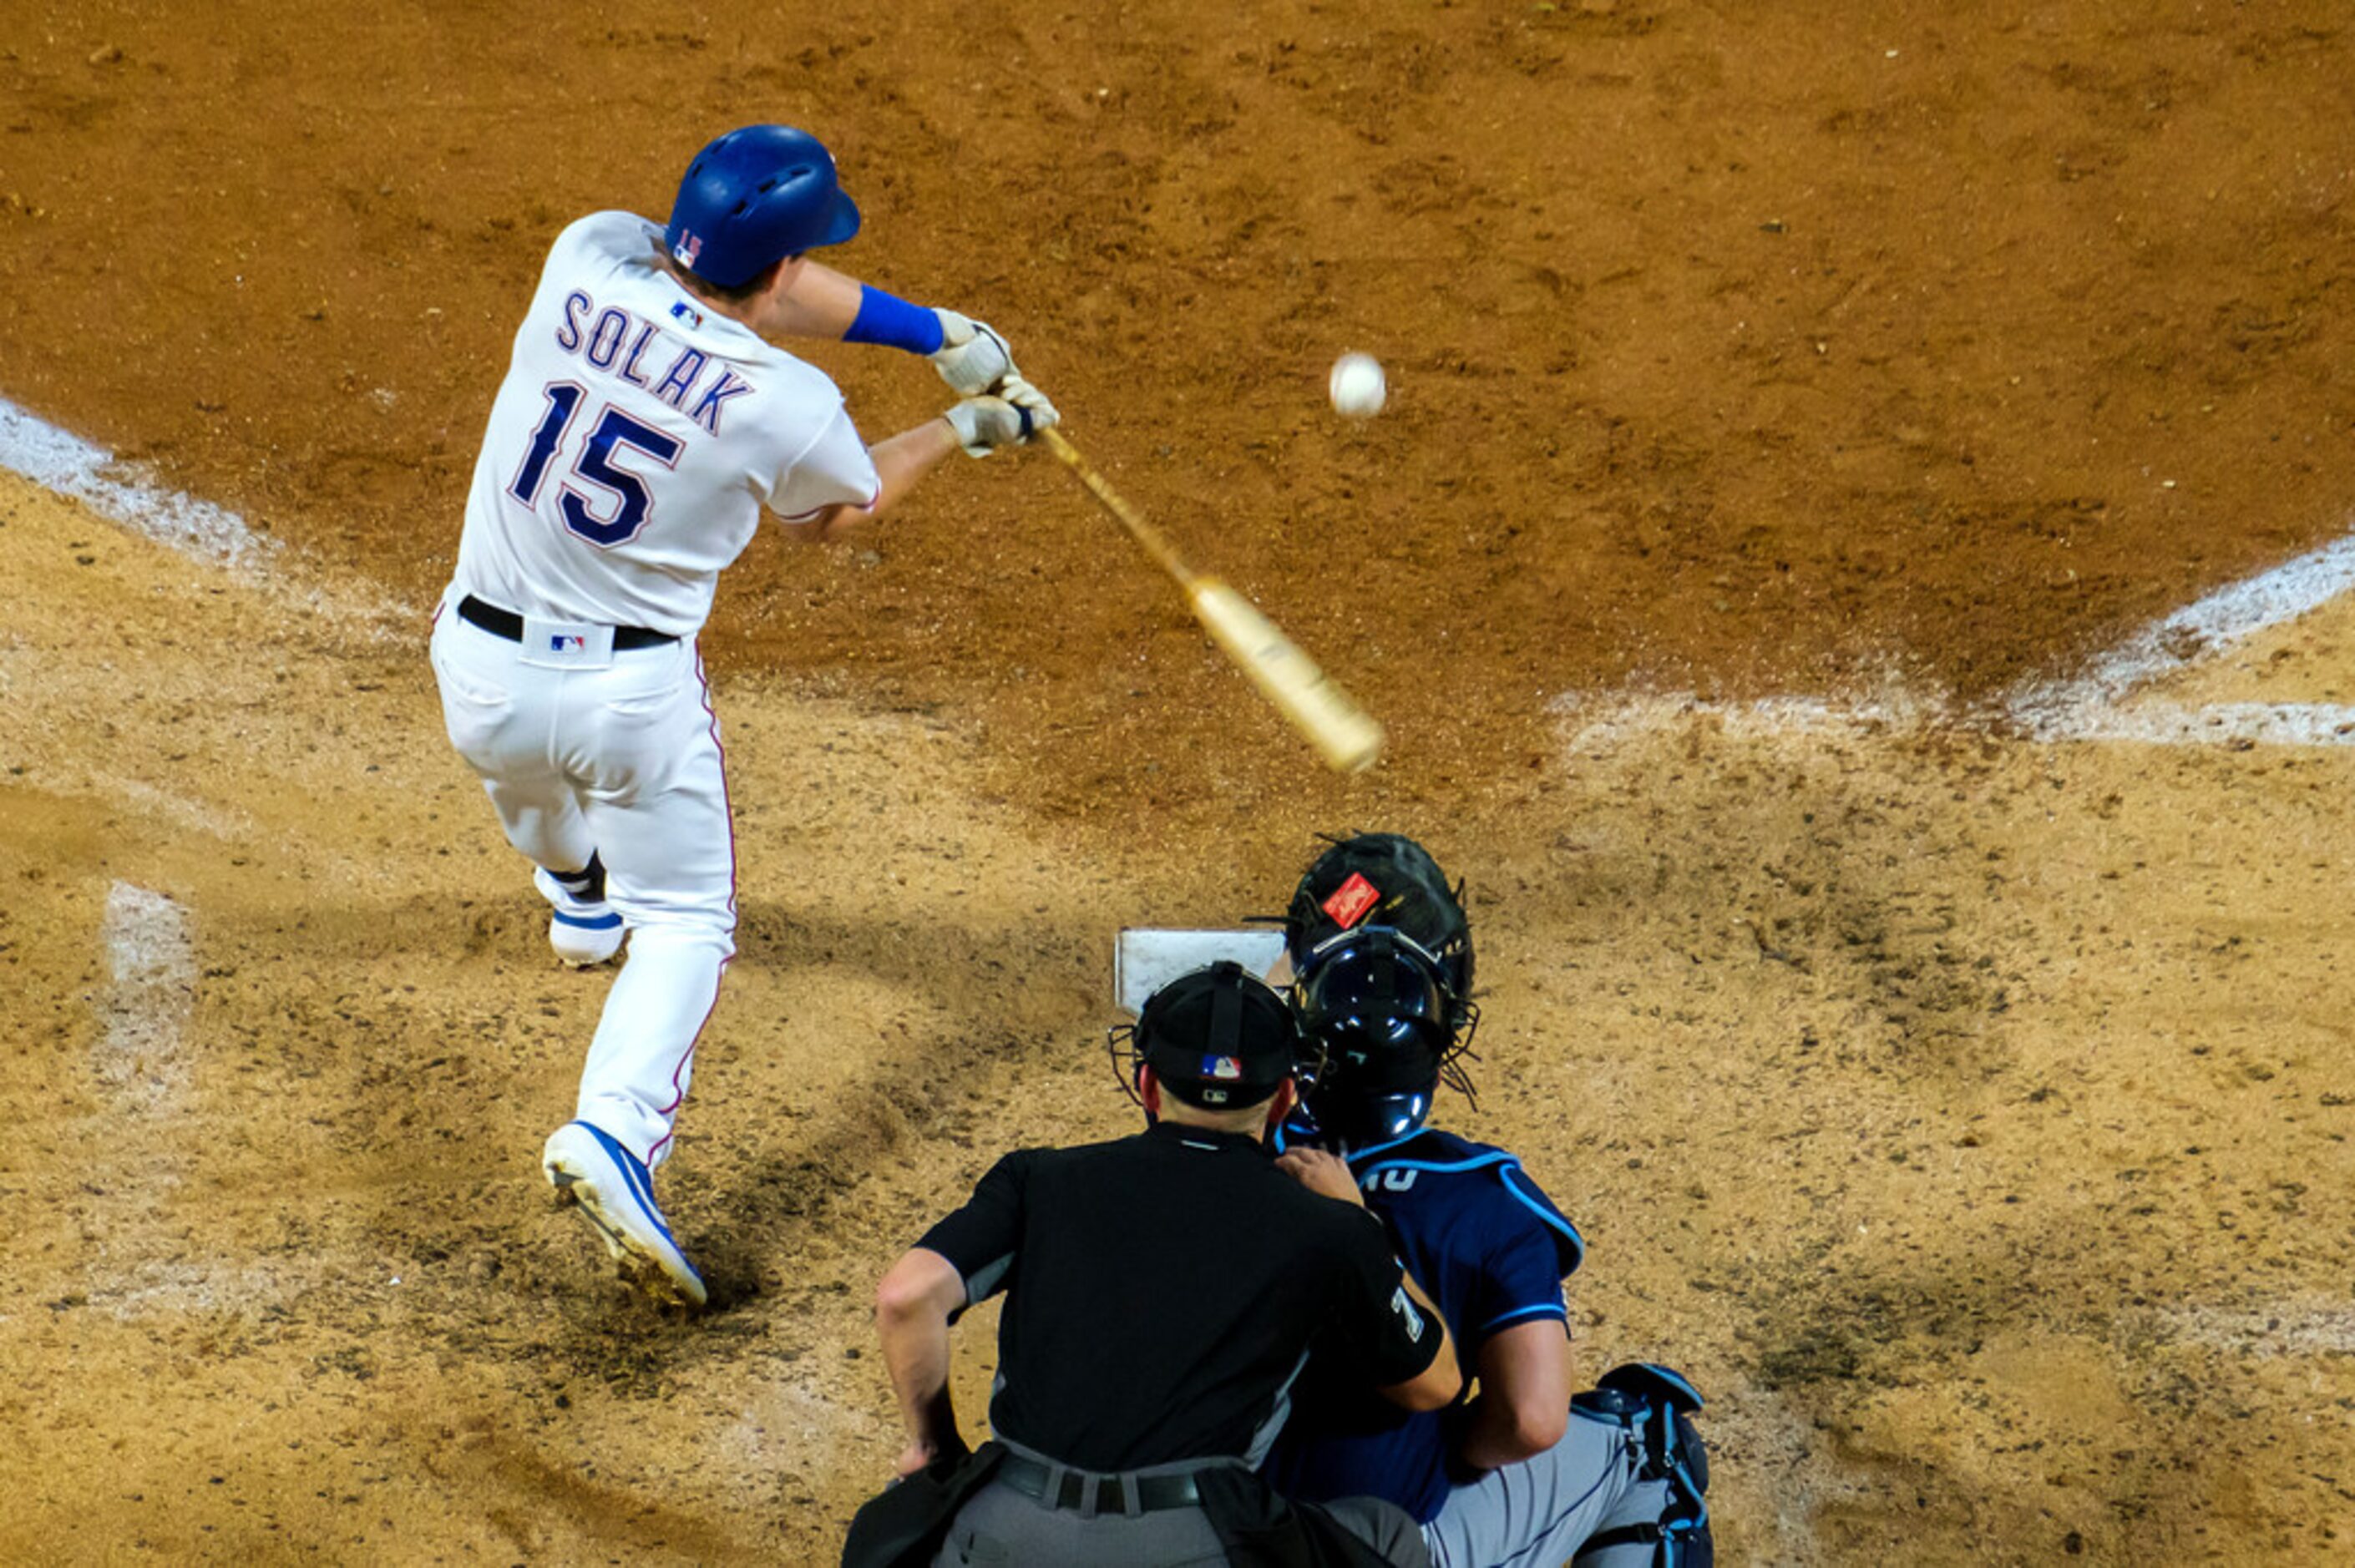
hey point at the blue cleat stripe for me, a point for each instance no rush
(588, 922)
(634, 1175)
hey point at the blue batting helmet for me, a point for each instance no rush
(756, 196)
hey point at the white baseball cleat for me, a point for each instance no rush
(583, 931)
(616, 1194)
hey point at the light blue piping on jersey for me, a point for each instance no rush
(1552, 1221)
(1478, 1162)
(1569, 1231)
(1542, 1309)
(1357, 1154)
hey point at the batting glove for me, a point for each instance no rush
(971, 357)
(1015, 413)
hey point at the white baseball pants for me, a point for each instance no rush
(586, 750)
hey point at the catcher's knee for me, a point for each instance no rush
(1654, 1405)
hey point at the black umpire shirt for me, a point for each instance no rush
(1163, 1291)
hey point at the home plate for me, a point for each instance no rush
(1148, 957)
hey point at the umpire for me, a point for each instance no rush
(1162, 1292)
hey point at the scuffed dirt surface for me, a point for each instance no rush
(1965, 1116)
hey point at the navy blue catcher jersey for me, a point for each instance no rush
(1492, 1250)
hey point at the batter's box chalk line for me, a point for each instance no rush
(141, 1054)
(1600, 724)
(2307, 1328)
(2098, 703)
(61, 461)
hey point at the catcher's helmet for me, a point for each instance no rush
(756, 196)
(1217, 1038)
(1375, 1000)
(1384, 879)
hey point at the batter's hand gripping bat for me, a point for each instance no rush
(1342, 732)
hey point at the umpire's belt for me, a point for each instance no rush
(1114, 1493)
(506, 623)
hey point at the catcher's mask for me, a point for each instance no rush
(1217, 1038)
(1385, 879)
(1378, 1003)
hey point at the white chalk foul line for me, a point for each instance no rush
(2097, 704)
(64, 463)
(2218, 724)
(2088, 707)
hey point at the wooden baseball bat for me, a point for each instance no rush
(1344, 734)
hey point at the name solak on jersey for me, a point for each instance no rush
(626, 345)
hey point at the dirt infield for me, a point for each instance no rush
(1967, 1116)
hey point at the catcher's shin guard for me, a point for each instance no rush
(1654, 1403)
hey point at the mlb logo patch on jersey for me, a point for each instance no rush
(1350, 901)
(681, 311)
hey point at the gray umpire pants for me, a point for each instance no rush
(1536, 1513)
(1001, 1528)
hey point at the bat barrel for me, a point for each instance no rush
(1344, 734)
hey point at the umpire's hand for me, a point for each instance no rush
(1323, 1173)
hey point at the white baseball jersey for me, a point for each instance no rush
(635, 440)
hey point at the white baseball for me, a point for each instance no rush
(1358, 386)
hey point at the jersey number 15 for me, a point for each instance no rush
(594, 463)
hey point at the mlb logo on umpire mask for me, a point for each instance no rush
(1218, 1037)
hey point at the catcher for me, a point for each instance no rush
(1523, 1473)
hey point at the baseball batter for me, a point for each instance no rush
(645, 424)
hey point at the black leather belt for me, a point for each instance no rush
(1153, 1493)
(506, 623)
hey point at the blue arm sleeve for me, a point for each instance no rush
(889, 319)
